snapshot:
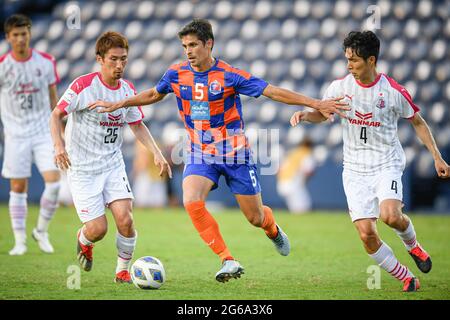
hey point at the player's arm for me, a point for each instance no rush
(53, 96)
(61, 157)
(425, 135)
(326, 107)
(144, 98)
(307, 116)
(142, 133)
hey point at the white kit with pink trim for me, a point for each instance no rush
(371, 143)
(24, 93)
(93, 139)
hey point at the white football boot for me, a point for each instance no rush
(281, 242)
(18, 250)
(42, 240)
(230, 269)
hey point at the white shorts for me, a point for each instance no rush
(92, 193)
(21, 152)
(365, 193)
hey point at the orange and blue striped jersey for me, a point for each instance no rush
(210, 106)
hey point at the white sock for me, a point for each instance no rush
(49, 203)
(82, 238)
(18, 212)
(386, 259)
(408, 236)
(125, 249)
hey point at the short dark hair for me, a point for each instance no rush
(365, 44)
(200, 27)
(109, 40)
(17, 21)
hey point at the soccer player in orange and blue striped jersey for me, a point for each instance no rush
(210, 106)
(207, 91)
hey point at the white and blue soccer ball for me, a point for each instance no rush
(148, 273)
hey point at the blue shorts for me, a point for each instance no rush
(241, 178)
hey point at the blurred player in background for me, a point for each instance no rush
(28, 93)
(96, 170)
(150, 189)
(373, 157)
(207, 91)
(295, 170)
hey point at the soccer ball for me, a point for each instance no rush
(148, 273)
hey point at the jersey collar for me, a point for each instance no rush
(30, 54)
(374, 82)
(106, 85)
(204, 72)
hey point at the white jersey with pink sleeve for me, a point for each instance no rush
(24, 93)
(370, 137)
(93, 140)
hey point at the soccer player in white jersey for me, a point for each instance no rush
(373, 157)
(28, 92)
(96, 170)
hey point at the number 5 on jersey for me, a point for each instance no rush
(198, 91)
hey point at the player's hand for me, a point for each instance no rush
(297, 118)
(62, 160)
(331, 106)
(164, 166)
(104, 106)
(442, 168)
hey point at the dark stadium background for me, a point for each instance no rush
(296, 44)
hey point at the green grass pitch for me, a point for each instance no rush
(327, 260)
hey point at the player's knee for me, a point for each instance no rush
(187, 200)
(18, 186)
(392, 216)
(125, 221)
(96, 232)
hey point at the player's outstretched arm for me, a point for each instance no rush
(326, 107)
(425, 135)
(53, 93)
(144, 98)
(142, 133)
(62, 160)
(307, 116)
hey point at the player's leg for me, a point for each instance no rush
(18, 211)
(48, 206)
(125, 238)
(43, 157)
(118, 196)
(90, 206)
(198, 180)
(262, 217)
(243, 181)
(392, 215)
(383, 254)
(17, 168)
(364, 211)
(195, 192)
(390, 195)
(93, 230)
